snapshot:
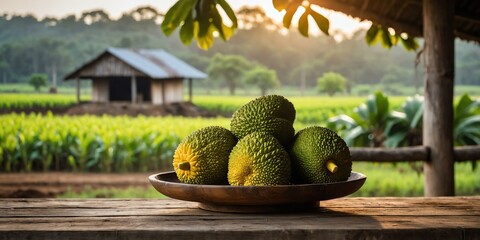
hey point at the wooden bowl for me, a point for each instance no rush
(279, 198)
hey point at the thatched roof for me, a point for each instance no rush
(406, 15)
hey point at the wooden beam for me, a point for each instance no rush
(163, 92)
(410, 154)
(466, 153)
(77, 83)
(134, 89)
(467, 36)
(438, 113)
(404, 154)
(356, 11)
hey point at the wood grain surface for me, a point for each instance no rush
(345, 218)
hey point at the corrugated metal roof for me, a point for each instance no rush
(156, 63)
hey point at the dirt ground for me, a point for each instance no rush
(186, 109)
(125, 108)
(51, 184)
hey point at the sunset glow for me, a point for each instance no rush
(115, 8)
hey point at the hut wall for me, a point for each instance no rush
(157, 92)
(100, 90)
(108, 66)
(173, 90)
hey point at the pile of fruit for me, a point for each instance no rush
(261, 148)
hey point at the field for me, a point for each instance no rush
(19, 101)
(33, 142)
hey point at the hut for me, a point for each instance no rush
(136, 75)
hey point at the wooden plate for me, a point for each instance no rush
(225, 198)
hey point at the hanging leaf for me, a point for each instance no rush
(186, 31)
(290, 11)
(228, 31)
(280, 4)
(409, 43)
(217, 22)
(230, 13)
(176, 14)
(203, 17)
(371, 34)
(206, 41)
(322, 21)
(386, 40)
(303, 23)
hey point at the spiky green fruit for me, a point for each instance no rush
(319, 155)
(202, 157)
(273, 114)
(258, 159)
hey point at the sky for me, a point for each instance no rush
(115, 8)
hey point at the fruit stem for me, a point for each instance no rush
(332, 167)
(185, 166)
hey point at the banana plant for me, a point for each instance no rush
(466, 121)
(405, 128)
(366, 126)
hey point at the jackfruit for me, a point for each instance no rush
(258, 159)
(273, 114)
(202, 157)
(319, 155)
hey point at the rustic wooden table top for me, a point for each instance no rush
(345, 218)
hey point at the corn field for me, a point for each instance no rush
(92, 144)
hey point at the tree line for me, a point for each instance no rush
(56, 46)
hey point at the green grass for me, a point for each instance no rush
(37, 100)
(383, 179)
(130, 192)
(310, 110)
(26, 88)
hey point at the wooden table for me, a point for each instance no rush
(345, 218)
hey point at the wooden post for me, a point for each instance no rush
(163, 92)
(190, 90)
(438, 114)
(77, 81)
(134, 89)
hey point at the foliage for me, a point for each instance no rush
(331, 83)
(199, 19)
(374, 124)
(405, 128)
(87, 143)
(365, 127)
(229, 69)
(262, 77)
(378, 33)
(38, 80)
(466, 121)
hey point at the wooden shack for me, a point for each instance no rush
(136, 75)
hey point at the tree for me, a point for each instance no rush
(38, 80)
(228, 69)
(263, 78)
(331, 83)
